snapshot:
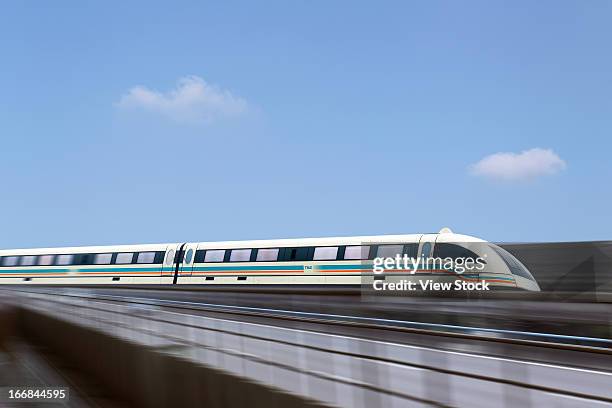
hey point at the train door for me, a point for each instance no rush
(186, 266)
(169, 266)
(426, 246)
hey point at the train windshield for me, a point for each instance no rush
(513, 264)
(444, 250)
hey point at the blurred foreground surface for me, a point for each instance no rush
(164, 355)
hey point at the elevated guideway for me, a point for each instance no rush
(155, 355)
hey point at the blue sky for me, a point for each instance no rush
(193, 121)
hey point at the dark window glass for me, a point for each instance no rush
(296, 254)
(199, 256)
(159, 257)
(426, 249)
(373, 251)
(83, 259)
(411, 250)
(188, 257)
(303, 254)
(513, 264)
(446, 250)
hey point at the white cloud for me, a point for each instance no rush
(193, 100)
(527, 165)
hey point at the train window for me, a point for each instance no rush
(188, 256)
(389, 251)
(296, 254)
(357, 252)
(124, 258)
(10, 260)
(426, 249)
(240, 255)
(214, 255)
(170, 257)
(83, 259)
(411, 250)
(65, 259)
(102, 259)
(28, 260)
(267, 254)
(446, 250)
(145, 257)
(45, 260)
(325, 253)
(513, 264)
(199, 256)
(159, 257)
(302, 254)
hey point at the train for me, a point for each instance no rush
(310, 261)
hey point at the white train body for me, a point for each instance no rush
(311, 261)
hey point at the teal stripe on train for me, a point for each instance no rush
(38, 270)
(250, 268)
(254, 268)
(354, 266)
(66, 270)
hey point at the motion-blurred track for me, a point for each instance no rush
(328, 361)
(391, 319)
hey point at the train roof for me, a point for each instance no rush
(444, 236)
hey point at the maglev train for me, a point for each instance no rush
(312, 261)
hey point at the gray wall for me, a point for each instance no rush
(579, 267)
